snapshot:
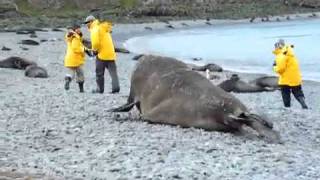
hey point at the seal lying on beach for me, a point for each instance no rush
(270, 82)
(35, 71)
(166, 91)
(234, 84)
(211, 67)
(16, 63)
(29, 42)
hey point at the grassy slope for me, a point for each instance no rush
(261, 8)
(118, 11)
(224, 10)
(67, 11)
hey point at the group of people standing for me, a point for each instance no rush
(286, 64)
(101, 47)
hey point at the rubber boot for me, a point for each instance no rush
(67, 82)
(100, 86)
(285, 93)
(117, 90)
(301, 100)
(81, 87)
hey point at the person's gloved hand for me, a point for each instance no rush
(70, 33)
(88, 52)
(95, 53)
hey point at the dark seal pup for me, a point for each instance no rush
(234, 84)
(166, 91)
(35, 71)
(29, 42)
(268, 82)
(16, 63)
(211, 67)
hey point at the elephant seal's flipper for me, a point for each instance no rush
(262, 126)
(124, 108)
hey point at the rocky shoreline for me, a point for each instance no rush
(67, 135)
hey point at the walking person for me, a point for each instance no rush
(74, 58)
(103, 48)
(287, 67)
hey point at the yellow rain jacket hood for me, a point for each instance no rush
(75, 51)
(102, 41)
(287, 66)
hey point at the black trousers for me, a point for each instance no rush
(112, 68)
(297, 93)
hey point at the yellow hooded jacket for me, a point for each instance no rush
(101, 40)
(75, 51)
(287, 66)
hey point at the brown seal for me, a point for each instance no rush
(16, 63)
(166, 91)
(235, 84)
(211, 67)
(35, 71)
(269, 82)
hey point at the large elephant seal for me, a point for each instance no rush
(16, 63)
(211, 67)
(234, 84)
(166, 91)
(35, 71)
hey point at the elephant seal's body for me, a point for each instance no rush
(16, 63)
(270, 82)
(29, 42)
(234, 84)
(211, 67)
(34, 71)
(166, 91)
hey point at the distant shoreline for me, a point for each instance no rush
(125, 31)
(56, 22)
(122, 34)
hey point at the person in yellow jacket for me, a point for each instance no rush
(75, 57)
(287, 67)
(103, 48)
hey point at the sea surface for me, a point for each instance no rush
(238, 47)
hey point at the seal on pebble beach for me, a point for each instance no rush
(166, 91)
(15, 62)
